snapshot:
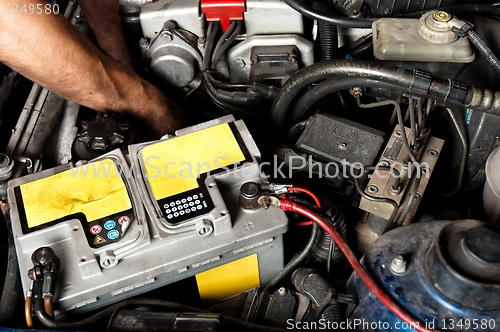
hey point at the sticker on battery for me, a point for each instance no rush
(94, 193)
(175, 169)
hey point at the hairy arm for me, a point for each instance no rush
(48, 50)
(104, 18)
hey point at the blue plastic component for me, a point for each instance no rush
(110, 224)
(113, 234)
(412, 290)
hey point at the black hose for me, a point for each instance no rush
(450, 92)
(333, 313)
(12, 290)
(485, 50)
(50, 322)
(324, 70)
(356, 45)
(295, 260)
(323, 251)
(322, 295)
(460, 10)
(328, 37)
(329, 86)
(319, 16)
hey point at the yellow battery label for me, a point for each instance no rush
(173, 166)
(229, 279)
(95, 189)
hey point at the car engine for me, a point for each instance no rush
(341, 172)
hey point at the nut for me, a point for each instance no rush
(398, 265)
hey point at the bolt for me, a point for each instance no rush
(31, 274)
(143, 42)
(417, 197)
(372, 189)
(167, 37)
(282, 291)
(398, 265)
(395, 191)
(433, 153)
(343, 146)
(292, 58)
(203, 231)
(201, 41)
(108, 262)
(240, 63)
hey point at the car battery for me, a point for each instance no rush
(168, 211)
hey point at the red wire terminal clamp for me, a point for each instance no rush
(224, 11)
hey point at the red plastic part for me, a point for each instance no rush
(224, 11)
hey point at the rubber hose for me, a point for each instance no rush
(328, 37)
(41, 315)
(315, 287)
(333, 313)
(460, 10)
(321, 248)
(340, 21)
(439, 89)
(329, 86)
(12, 289)
(485, 50)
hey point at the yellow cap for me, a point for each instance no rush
(441, 16)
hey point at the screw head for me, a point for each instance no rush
(292, 58)
(433, 153)
(372, 189)
(282, 291)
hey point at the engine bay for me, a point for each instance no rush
(340, 171)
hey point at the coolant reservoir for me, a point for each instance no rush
(427, 44)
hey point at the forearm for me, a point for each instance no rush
(48, 50)
(104, 18)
